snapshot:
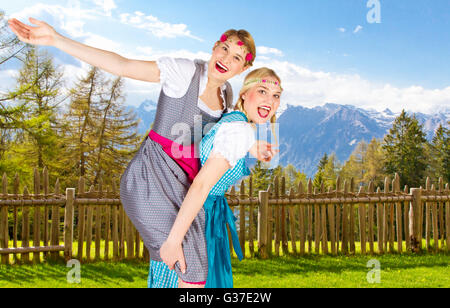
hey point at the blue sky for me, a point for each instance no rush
(324, 50)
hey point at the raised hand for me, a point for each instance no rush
(263, 151)
(42, 34)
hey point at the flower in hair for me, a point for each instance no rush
(258, 80)
(240, 43)
(249, 57)
(223, 38)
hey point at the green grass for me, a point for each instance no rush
(405, 270)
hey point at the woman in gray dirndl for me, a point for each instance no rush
(156, 181)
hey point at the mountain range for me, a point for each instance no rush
(306, 134)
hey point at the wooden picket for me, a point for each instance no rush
(290, 220)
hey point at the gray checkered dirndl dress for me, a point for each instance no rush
(154, 185)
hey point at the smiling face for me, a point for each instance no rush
(262, 100)
(227, 60)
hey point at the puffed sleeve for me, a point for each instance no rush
(175, 75)
(233, 141)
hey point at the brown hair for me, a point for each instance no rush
(247, 39)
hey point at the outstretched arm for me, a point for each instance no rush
(171, 251)
(44, 34)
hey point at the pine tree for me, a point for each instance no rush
(100, 136)
(439, 154)
(374, 163)
(118, 139)
(10, 47)
(331, 171)
(80, 124)
(328, 170)
(319, 176)
(446, 159)
(293, 177)
(262, 177)
(323, 161)
(34, 141)
(404, 148)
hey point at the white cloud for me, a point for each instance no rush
(70, 19)
(342, 30)
(156, 27)
(106, 5)
(7, 79)
(315, 88)
(263, 50)
(358, 29)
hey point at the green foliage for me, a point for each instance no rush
(404, 148)
(94, 138)
(101, 136)
(30, 138)
(439, 154)
(263, 177)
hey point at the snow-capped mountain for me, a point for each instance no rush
(307, 133)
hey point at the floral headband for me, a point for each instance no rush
(258, 80)
(224, 38)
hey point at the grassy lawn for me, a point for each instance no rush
(404, 270)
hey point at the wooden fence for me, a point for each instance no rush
(92, 225)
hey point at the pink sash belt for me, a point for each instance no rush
(190, 163)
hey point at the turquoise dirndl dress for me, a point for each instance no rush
(218, 213)
(217, 216)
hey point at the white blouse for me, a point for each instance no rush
(176, 76)
(233, 140)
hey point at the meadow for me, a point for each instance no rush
(405, 270)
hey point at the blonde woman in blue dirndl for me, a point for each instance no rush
(222, 153)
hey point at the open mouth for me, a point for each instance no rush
(264, 111)
(221, 68)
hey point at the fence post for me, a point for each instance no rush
(414, 219)
(68, 223)
(263, 210)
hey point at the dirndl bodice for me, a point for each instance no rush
(218, 213)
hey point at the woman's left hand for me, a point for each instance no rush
(172, 253)
(263, 151)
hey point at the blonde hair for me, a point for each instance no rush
(245, 38)
(259, 73)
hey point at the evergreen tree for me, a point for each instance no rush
(323, 161)
(439, 154)
(118, 139)
(328, 170)
(446, 159)
(10, 47)
(100, 136)
(331, 171)
(374, 171)
(319, 176)
(262, 177)
(35, 142)
(404, 148)
(80, 127)
(293, 177)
